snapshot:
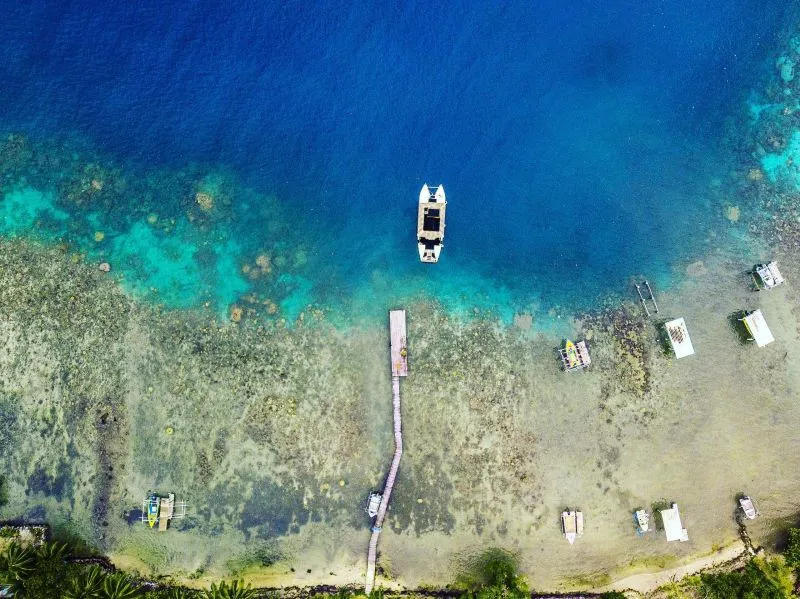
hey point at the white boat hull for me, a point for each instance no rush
(748, 508)
(429, 256)
(642, 520)
(431, 223)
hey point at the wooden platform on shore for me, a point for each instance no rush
(164, 514)
(399, 349)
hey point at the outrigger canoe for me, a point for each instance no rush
(572, 354)
(152, 510)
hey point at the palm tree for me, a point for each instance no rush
(230, 590)
(16, 563)
(117, 586)
(180, 593)
(89, 585)
(54, 551)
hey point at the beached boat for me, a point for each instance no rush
(748, 508)
(152, 504)
(158, 509)
(373, 503)
(575, 355)
(430, 223)
(678, 336)
(767, 276)
(672, 524)
(572, 525)
(571, 354)
(757, 328)
(642, 519)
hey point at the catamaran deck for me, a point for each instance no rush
(678, 336)
(430, 218)
(429, 222)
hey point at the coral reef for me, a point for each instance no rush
(204, 200)
(630, 344)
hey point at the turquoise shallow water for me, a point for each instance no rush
(579, 146)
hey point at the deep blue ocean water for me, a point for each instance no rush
(576, 140)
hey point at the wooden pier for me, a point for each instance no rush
(399, 359)
(399, 347)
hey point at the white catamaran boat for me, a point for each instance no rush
(430, 223)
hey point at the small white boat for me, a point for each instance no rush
(572, 525)
(748, 508)
(430, 223)
(373, 503)
(642, 520)
(767, 276)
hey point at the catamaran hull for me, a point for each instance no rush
(429, 256)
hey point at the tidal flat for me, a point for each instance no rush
(274, 435)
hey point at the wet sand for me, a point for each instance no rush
(279, 434)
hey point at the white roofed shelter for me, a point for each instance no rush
(672, 524)
(757, 327)
(678, 336)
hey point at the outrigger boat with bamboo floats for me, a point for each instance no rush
(157, 509)
(575, 356)
(430, 223)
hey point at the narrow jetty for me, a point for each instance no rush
(399, 359)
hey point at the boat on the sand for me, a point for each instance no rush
(373, 503)
(574, 356)
(642, 519)
(430, 223)
(152, 504)
(571, 354)
(748, 508)
(572, 524)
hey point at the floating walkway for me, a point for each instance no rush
(399, 357)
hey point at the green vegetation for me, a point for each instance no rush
(792, 553)
(46, 572)
(760, 578)
(230, 590)
(494, 576)
(3, 491)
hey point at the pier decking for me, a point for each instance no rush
(399, 346)
(399, 358)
